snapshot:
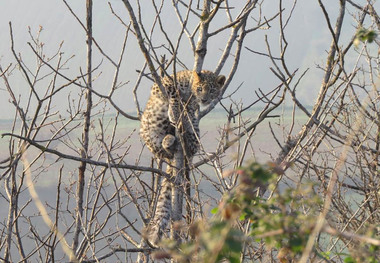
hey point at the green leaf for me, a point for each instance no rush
(363, 35)
(214, 210)
(234, 245)
(349, 260)
(234, 259)
(296, 244)
(325, 255)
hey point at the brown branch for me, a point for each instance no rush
(88, 161)
(86, 131)
(350, 236)
(144, 50)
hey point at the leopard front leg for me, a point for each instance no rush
(185, 119)
(174, 111)
(191, 139)
(169, 143)
(190, 129)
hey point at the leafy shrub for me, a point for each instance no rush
(279, 220)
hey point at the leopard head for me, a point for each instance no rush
(206, 86)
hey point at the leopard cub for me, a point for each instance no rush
(183, 100)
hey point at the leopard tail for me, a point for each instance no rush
(162, 215)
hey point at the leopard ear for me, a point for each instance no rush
(220, 80)
(196, 77)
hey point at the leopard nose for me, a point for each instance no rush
(204, 101)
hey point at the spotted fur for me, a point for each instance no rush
(162, 114)
(162, 216)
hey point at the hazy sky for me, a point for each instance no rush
(307, 35)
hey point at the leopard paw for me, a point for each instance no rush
(168, 142)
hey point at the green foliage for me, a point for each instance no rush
(213, 242)
(361, 252)
(364, 35)
(283, 221)
(349, 259)
(325, 255)
(369, 259)
(280, 220)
